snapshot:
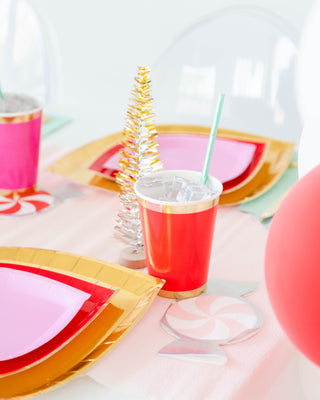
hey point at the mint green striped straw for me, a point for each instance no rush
(212, 138)
(1, 93)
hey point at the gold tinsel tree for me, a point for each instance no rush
(138, 157)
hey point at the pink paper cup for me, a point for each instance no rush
(19, 149)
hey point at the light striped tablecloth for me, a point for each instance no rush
(85, 226)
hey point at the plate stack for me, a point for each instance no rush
(61, 313)
(247, 165)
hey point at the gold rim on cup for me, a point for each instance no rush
(168, 207)
(182, 295)
(22, 116)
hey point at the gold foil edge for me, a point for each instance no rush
(188, 208)
(182, 295)
(145, 289)
(75, 165)
(17, 119)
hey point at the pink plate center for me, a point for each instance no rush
(33, 309)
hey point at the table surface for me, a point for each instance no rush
(133, 369)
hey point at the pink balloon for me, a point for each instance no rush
(292, 265)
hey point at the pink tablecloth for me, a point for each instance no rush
(85, 226)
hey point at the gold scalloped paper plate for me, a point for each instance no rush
(136, 292)
(278, 154)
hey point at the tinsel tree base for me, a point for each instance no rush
(133, 258)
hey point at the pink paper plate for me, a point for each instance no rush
(233, 161)
(40, 311)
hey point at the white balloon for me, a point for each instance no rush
(309, 147)
(308, 92)
(308, 68)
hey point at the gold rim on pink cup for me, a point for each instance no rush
(19, 148)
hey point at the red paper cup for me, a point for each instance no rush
(19, 149)
(178, 236)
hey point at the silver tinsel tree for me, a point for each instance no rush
(138, 157)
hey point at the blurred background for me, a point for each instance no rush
(81, 57)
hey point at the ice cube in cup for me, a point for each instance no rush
(153, 186)
(13, 103)
(176, 188)
(194, 191)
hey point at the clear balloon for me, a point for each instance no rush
(24, 66)
(247, 53)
